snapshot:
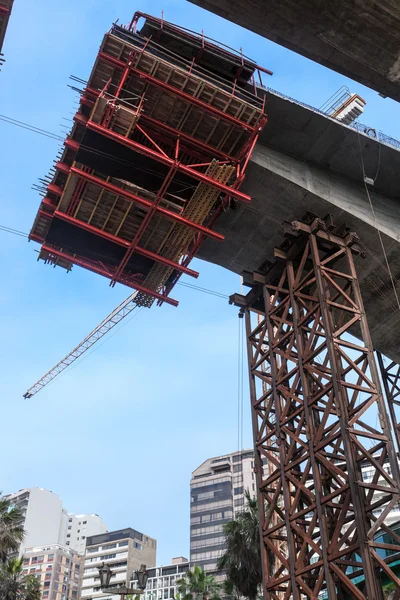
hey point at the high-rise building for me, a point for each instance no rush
(124, 551)
(42, 512)
(58, 568)
(216, 495)
(75, 529)
(161, 584)
(46, 522)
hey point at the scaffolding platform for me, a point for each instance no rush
(159, 147)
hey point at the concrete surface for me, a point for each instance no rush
(358, 38)
(306, 161)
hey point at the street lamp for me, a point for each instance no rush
(142, 576)
(106, 573)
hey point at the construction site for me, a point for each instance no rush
(179, 150)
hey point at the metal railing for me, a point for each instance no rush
(357, 126)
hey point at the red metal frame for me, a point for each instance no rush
(108, 272)
(122, 242)
(193, 34)
(4, 10)
(193, 142)
(138, 200)
(178, 151)
(187, 97)
(168, 161)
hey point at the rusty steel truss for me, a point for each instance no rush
(390, 373)
(320, 423)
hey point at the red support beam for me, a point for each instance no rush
(125, 243)
(168, 161)
(4, 10)
(96, 268)
(176, 92)
(149, 215)
(137, 200)
(176, 133)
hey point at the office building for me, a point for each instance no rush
(46, 522)
(124, 551)
(161, 584)
(58, 568)
(216, 495)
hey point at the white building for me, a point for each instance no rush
(124, 551)
(161, 584)
(217, 494)
(76, 528)
(46, 522)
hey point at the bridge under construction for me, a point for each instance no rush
(173, 134)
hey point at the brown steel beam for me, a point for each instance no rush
(315, 395)
(390, 373)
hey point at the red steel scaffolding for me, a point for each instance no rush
(159, 147)
(5, 12)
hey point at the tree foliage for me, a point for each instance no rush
(197, 585)
(242, 557)
(11, 529)
(14, 585)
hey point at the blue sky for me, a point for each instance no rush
(119, 434)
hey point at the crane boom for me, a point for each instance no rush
(115, 317)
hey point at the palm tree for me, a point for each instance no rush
(14, 585)
(197, 585)
(11, 529)
(242, 557)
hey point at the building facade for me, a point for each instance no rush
(124, 551)
(58, 568)
(75, 529)
(46, 522)
(216, 495)
(161, 584)
(42, 512)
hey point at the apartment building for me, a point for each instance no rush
(216, 495)
(75, 529)
(161, 584)
(46, 522)
(124, 551)
(58, 568)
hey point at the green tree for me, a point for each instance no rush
(197, 585)
(11, 529)
(242, 558)
(14, 585)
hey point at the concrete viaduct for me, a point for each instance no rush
(305, 161)
(358, 38)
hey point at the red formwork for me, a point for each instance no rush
(159, 146)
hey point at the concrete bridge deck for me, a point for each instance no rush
(360, 39)
(307, 161)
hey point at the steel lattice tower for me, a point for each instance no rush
(320, 422)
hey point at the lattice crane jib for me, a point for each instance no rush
(320, 422)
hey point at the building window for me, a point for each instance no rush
(84, 522)
(83, 537)
(68, 535)
(67, 543)
(124, 543)
(34, 559)
(237, 468)
(26, 561)
(69, 527)
(50, 558)
(238, 490)
(79, 529)
(239, 501)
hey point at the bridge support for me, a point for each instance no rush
(390, 373)
(319, 423)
